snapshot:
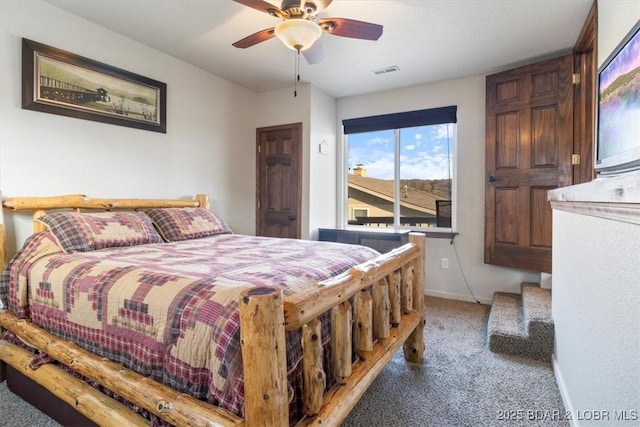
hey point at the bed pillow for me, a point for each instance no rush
(175, 224)
(82, 232)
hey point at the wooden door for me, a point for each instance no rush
(529, 142)
(278, 181)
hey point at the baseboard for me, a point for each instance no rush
(566, 400)
(458, 297)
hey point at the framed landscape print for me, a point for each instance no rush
(59, 82)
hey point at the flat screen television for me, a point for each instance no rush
(618, 108)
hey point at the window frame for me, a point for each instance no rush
(343, 190)
(354, 209)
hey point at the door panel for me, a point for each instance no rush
(507, 141)
(506, 212)
(529, 140)
(278, 185)
(539, 209)
(544, 138)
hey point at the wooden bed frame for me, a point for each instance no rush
(386, 312)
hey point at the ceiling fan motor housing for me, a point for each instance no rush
(297, 8)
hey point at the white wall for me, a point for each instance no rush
(469, 95)
(323, 173)
(615, 19)
(45, 154)
(596, 310)
(596, 284)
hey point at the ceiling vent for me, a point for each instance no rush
(386, 70)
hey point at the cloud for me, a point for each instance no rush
(424, 155)
(424, 166)
(379, 141)
(442, 131)
(381, 168)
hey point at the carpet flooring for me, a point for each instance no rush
(460, 383)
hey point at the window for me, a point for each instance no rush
(359, 215)
(400, 169)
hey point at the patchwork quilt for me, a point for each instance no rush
(168, 310)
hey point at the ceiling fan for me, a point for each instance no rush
(301, 28)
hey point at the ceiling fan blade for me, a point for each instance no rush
(262, 6)
(351, 28)
(255, 38)
(314, 54)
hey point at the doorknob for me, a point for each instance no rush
(292, 217)
(492, 179)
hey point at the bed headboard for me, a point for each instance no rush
(77, 202)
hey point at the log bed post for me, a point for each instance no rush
(407, 289)
(394, 299)
(381, 309)
(363, 325)
(203, 201)
(262, 337)
(341, 341)
(315, 379)
(414, 345)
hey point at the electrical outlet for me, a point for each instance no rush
(444, 263)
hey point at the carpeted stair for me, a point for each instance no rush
(521, 324)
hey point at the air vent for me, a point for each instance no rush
(386, 70)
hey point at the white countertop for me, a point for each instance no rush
(616, 189)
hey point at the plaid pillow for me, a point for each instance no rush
(176, 224)
(81, 232)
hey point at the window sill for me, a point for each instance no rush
(439, 234)
(443, 233)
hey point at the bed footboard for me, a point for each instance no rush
(375, 307)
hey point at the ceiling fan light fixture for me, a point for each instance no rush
(298, 34)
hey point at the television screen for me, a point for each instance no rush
(618, 120)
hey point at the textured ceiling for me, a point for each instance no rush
(427, 40)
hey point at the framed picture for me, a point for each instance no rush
(59, 82)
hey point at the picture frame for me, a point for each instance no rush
(59, 82)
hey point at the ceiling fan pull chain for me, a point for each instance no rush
(296, 78)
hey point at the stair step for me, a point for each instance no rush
(521, 324)
(536, 303)
(506, 317)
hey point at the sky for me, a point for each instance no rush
(424, 152)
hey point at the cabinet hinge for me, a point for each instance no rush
(575, 78)
(575, 159)
(258, 204)
(258, 148)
